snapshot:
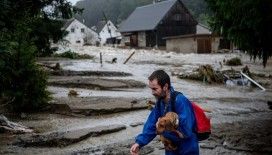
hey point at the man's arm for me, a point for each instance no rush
(149, 130)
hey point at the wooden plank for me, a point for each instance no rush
(257, 84)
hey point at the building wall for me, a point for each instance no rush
(189, 45)
(215, 44)
(182, 45)
(77, 37)
(104, 34)
(141, 39)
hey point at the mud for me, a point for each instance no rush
(93, 83)
(249, 137)
(110, 108)
(87, 73)
(98, 106)
(65, 138)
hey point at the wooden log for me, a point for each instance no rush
(129, 57)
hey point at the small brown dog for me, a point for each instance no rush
(169, 122)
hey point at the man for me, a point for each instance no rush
(159, 83)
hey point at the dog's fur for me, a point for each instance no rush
(168, 123)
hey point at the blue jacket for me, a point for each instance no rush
(183, 107)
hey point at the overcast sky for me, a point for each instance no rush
(73, 1)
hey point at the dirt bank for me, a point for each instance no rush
(247, 137)
(93, 83)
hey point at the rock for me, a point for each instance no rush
(65, 138)
(136, 124)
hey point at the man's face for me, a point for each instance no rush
(157, 90)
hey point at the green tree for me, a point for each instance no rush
(26, 28)
(247, 23)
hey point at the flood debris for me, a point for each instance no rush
(65, 138)
(204, 73)
(55, 67)
(72, 93)
(12, 127)
(129, 57)
(114, 60)
(257, 84)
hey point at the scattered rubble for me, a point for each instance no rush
(204, 73)
(11, 127)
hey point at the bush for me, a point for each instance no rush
(72, 55)
(234, 62)
(22, 82)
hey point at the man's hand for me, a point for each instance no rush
(135, 148)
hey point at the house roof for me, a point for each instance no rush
(146, 17)
(202, 29)
(100, 25)
(67, 23)
(191, 36)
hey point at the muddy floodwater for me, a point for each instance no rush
(109, 108)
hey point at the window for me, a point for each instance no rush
(78, 41)
(72, 30)
(82, 30)
(177, 17)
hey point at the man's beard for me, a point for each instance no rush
(161, 96)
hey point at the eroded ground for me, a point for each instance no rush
(110, 108)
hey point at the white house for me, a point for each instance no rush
(79, 33)
(107, 32)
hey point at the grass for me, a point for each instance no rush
(234, 62)
(72, 55)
